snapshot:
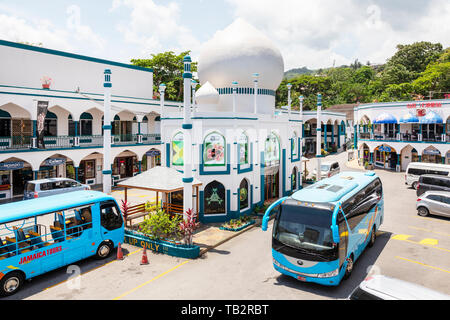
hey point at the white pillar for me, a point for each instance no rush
(300, 149)
(289, 86)
(193, 83)
(255, 81)
(187, 134)
(162, 90)
(234, 84)
(319, 136)
(107, 169)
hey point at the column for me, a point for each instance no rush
(187, 133)
(319, 135)
(300, 150)
(76, 173)
(371, 157)
(140, 166)
(255, 102)
(35, 174)
(107, 172)
(339, 136)
(325, 137)
(355, 137)
(289, 86)
(332, 136)
(34, 143)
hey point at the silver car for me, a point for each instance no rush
(434, 202)
(51, 186)
(327, 169)
(379, 287)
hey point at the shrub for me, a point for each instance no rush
(159, 225)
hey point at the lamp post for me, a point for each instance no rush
(255, 81)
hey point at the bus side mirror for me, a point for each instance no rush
(265, 222)
(335, 233)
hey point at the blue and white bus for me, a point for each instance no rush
(43, 234)
(320, 231)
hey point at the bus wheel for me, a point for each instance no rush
(422, 211)
(349, 268)
(104, 250)
(373, 236)
(11, 283)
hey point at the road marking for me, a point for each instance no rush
(151, 280)
(429, 242)
(431, 231)
(422, 264)
(433, 219)
(402, 237)
(98, 267)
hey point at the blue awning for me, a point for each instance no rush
(385, 118)
(409, 118)
(431, 117)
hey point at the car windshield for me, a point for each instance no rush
(304, 228)
(325, 167)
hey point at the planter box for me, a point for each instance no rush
(310, 181)
(239, 228)
(176, 249)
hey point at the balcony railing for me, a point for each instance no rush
(405, 137)
(64, 142)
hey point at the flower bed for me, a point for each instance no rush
(238, 228)
(169, 247)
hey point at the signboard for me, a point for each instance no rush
(12, 165)
(431, 152)
(424, 105)
(42, 107)
(177, 149)
(54, 161)
(384, 149)
(214, 150)
(153, 153)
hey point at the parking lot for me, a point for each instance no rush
(408, 247)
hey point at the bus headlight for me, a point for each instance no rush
(329, 274)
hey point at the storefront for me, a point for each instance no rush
(272, 167)
(385, 157)
(151, 159)
(51, 168)
(125, 167)
(14, 175)
(86, 172)
(431, 155)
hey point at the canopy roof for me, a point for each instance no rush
(431, 117)
(159, 178)
(385, 118)
(409, 118)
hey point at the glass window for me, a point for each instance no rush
(243, 149)
(214, 198)
(445, 199)
(177, 149)
(214, 150)
(243, 194)
(434, 197)
(360, 294)
(110, 216)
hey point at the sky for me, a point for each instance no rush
(315, 33)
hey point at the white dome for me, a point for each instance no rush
(237, 52)
(207, 94)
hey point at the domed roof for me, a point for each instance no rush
(207, 94)
(237, 52)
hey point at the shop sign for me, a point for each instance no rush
(384, 149)
(431, 152)
(153, 153)
(54, 161)
(424, 105)
(13, 165)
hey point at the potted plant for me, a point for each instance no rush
(46, 82)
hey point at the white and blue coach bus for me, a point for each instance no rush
(320, 231)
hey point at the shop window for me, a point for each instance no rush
(243, 194)
(214, 198)
(272, 151)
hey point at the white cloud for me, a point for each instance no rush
(154, 28)
(315, 33)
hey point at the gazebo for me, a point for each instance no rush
(169, 182)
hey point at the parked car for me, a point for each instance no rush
(328, 169)
(432, 182)
(416, 169)
(48, 187)
(379, 287)
(434, 202)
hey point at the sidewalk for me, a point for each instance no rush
(353, 164)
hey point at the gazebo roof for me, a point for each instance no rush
(159, 178)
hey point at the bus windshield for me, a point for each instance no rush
(304, 228)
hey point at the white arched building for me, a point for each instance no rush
(391, 135)
(244, 151)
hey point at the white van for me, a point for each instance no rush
(328, 169)
(416, 169)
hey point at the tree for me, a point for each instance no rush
(168, 69)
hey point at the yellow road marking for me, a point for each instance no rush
(151, 280)
(422, 264)
(402, 237)
(98, 267)
(429, 242)
(433, 219)
(428, 230)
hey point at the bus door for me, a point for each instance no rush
(343, 238)
(111, 221)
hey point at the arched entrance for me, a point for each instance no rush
(431, 155)
(244, 194)
(385, 157)
(407, 155)
(89, 171)
(272, 153)
(125, 165)
(364, 153)
(214, 201)
(14, 173)
(151, 158)
(294, 179)
(53, 167)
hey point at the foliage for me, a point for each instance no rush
(236, 223)
(159, 225)
(188, 226)
(168, 69)
(124, 207)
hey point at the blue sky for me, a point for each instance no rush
(308, 33)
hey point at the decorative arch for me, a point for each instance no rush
(214, 200)
(214, 149)
(272, 150)
(431, 155)
(244, 194)
(177, 149)
(294, 182)
(243, 148)
(294, 144)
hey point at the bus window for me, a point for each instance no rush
(110, 216)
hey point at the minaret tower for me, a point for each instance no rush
(319, 135)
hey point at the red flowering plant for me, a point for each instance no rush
(124, 208)
(188, 226)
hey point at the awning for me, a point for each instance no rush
(431, 117)
(385, 118)
(409, 118)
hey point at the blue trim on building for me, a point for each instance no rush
(168, 155)
(187, 180)
(186, 126)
